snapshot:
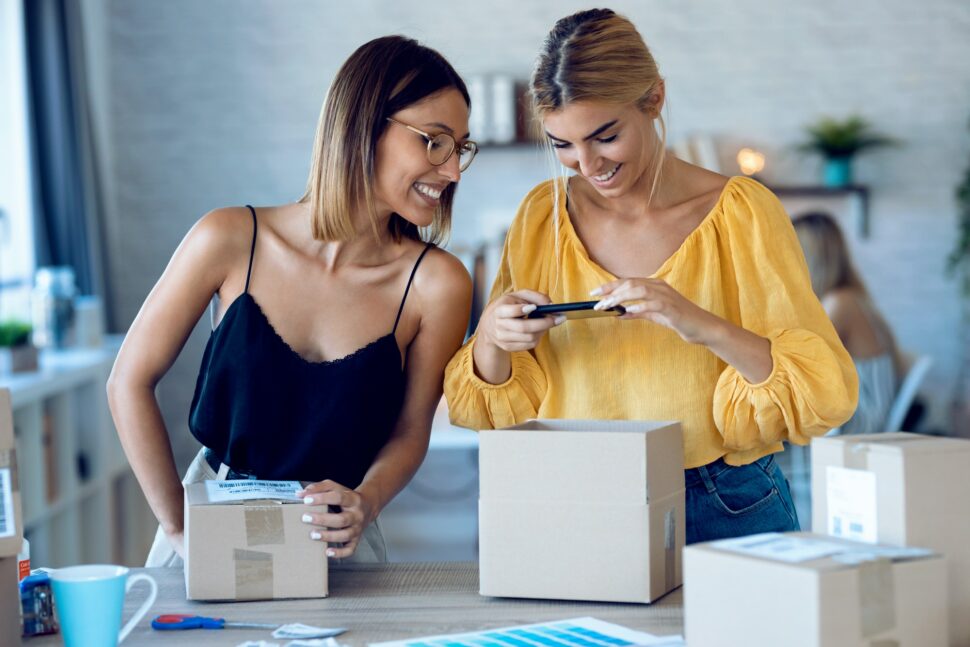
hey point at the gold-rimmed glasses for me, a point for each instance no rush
(442, 146)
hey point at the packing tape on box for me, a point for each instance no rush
(8, 460)
(856, 455)
(264, 524)
(670, 548)
(254, 574)
(877, 597)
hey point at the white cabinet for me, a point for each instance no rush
(81, 502)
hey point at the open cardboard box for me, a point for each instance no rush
(581, 510)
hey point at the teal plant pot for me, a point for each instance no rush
(838, 171)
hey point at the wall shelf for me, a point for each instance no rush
(81, 502)
(857, 191)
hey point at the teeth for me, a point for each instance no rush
(428, 191)
(606, 176)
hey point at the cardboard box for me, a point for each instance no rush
(844, 594)
(11, 512)
(251, 549)
(903, 489)
(581, 510)
(9, 602)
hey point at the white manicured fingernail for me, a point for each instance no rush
(635, 308)
(307, 518)
(560, 319)
(308, 500)
(315, 535)
(331, 552)
(527, 309)
(595, 292)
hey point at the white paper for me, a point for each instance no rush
(779, 547)
(299, 630)
(246, 490)
(7, 522)
(871, 553)
(851, 496)
(578, 632)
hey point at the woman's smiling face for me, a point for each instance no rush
(610, 146)
(405, 182)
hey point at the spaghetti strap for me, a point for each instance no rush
(252, 249)
(408, 288)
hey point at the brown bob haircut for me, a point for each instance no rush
(383, 76)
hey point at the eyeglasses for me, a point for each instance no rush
(442, 146)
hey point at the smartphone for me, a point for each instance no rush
(575, 310)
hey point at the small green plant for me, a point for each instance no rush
(835, 138)
(14, 333)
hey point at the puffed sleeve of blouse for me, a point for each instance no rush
(472, 402)
(813, 385)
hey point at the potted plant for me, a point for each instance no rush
(17, 354)
(958, 264)
(838, 141)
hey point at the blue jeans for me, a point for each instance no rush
(726, 501)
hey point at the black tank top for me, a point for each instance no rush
(266, 411)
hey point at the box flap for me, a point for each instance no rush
(896, 442)
(583, 461)
(813, 552)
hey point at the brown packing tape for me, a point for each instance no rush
(670, 548)
(877, 597)
(264, 525)
(8, 460)
(254, 574)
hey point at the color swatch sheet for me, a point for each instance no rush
(576, 632)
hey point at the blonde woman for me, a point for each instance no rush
(722, 330)
(334, 316)
(863, 331)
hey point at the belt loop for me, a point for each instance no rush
(706, 478)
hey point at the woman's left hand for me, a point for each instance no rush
(343, 529)
(655, 300)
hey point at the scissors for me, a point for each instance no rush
(175, 621)
(170, 622)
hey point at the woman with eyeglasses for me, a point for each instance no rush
(333, 316)
(721, 329)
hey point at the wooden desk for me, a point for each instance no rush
(383, 602)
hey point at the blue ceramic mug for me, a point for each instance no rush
(89, 601)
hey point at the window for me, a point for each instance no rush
(16, 210)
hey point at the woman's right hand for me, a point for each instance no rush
(177, 540)
(503, 324)
(503, 329)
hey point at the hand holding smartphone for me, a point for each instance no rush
(575, 310)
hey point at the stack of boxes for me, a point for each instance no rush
(902, 489)
(581, 510)
(11, 527)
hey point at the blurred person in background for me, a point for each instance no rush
(333, 316)
(722, 330)
(861, 327)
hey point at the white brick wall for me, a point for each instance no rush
(214, 103)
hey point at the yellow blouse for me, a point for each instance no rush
(743, 263)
